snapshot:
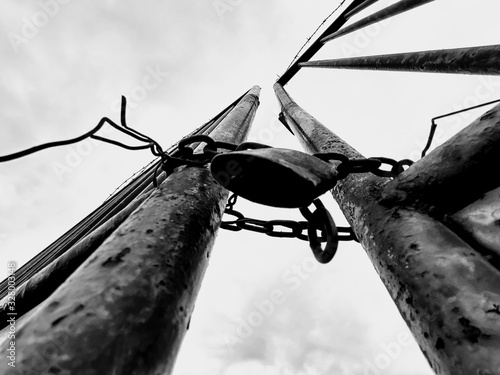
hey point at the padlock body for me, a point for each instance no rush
(273, 176)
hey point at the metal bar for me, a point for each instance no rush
(473, 60)
(444, 289)
(388, 12)
(127, 308)
(316, 45)
(360, 8)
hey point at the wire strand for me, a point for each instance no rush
(314, 33)
(151, 144)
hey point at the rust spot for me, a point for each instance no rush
(494, 310)
(54, 370)
(414, 246)
(53, 305)
(58, 320)
(487, 116)
(396, 215)
(149, 231)
(162, 283)
(439, 344)
(79, 308)
(117, 258)
(497, 222)
(471, 333)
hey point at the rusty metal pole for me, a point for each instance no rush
(127, 308)
(110, 208)
(444, 288)
(41, 285)
(473, 60)
(388, 12)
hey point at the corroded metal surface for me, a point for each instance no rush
(127, 308)
(444, 289)
(457, 173)
(480, 222)
(388, 12)
(471, 60)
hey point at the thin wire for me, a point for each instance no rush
(315, 31)
(434, 125)
(153, 145)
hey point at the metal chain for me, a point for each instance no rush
(319, 220)
(370, 165)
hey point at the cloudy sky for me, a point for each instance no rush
(265, 307)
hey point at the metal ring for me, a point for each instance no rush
(293, 225)
(399, 167)
(329, 230)
(252, 225)
(183, 143)
(233, 224)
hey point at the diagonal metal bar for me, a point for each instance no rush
(317, 44)
(388, 12)
(472, 60)
(360, 8)
(127, 308)
(445, 290)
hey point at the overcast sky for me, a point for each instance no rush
(264, 307)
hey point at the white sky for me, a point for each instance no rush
(59, 78)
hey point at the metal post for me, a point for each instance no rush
(388, 12)
(127, 308)
(444, 289)
(473, 60)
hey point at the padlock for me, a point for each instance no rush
(274, 176)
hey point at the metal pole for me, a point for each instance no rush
(388, 12)
(127, 308)
(360, 8)
(41, 285)
(102, 214)
(444, 289)
(473, 60)
(316, 45)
